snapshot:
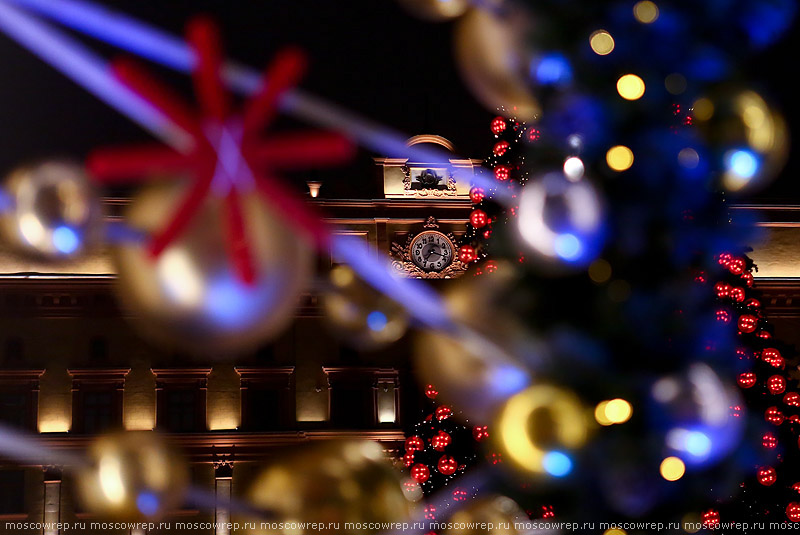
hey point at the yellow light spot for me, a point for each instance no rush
(600, 271)
(618, 411)
(614, 531)
(703, 109)
(619, 158)
(645, 12)
(601, 42)
(688, 158)
(630, 87)
(600, 413)
(690, 521)
(342, 276)
(672, 469)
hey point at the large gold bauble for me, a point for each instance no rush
(499, 511)
(360, 314)
(132, 476)
(475, 373)
(436, 10)
(190, 297)
(335, 481)
(49, 210)
(494, 62)
(748, 136)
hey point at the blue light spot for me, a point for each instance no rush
(509, 380)
(552, 69)
(376, 320)
(742, 163)
(567, 246)
(147, 503)
(698, 444)
(65, 240)
(557, 464)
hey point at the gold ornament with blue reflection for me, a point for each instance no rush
(747, 137)
(538, 430)
(133, 476)
(49, 211)
(190, 297)
(335, 482)
(360, 314)
(501, 512)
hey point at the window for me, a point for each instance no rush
(268, 398)
(14, 408)
(12, 492)
(97, 399)
(354, 396)
(181, 399)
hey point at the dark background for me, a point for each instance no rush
(366, 55)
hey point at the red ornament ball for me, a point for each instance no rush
(420, 472)
(769, 441)
(792, 399)
(711, 517)
(767, 476)
(724, 259)
(765, 335)
(723, 316)
(476, 194)
(547, 511)
(501, 147)
(466, 254)
(502, 172)
(431, 392)
(753, 303)
(793, 512)
(534, 134)
(737, 294)
(478, 218)
(796, 487)
(447, 465)
(747, 323)
(430, 514)
(441, 441)
(480, 432)
(773, 357)
(408, 458)
(460, 495)
(443, 412)
(776, 384)
(774, 416)
(487, 234)
(746, 379)
(736, 266)
(722, 289)
(498, 125)
(748, 279)
(490, 266)
(414, 444)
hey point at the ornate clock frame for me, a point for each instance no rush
(405, 267)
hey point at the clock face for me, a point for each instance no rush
(431, 250)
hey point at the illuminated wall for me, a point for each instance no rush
(139, 399)
(224, 399)
(55, 401)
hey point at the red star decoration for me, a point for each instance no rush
(228, 156)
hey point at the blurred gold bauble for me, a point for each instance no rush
(494, 62)
(536, 429)
(474, 370)
(748, 136)
(498, 511)
(361, 314)
(190, 296)
(335, 481)
(132, 476)
(436, 10)
(49, 210)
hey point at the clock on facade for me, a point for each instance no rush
(430, 254)
(432, 250)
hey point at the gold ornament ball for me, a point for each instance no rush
(49, 211)
(359, 313)
(190, 296)
(132, 476)
(494, 62)
(335, 481)
(748, 135)
(499, 511)
(475, 371)
(436, 10)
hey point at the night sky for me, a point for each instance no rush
(368, 56)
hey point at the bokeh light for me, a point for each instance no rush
(630, 87)
(573, 168)
(602, 43)
(675, 83)
(600, 271)
(672, 469)
(645, 12)
(619, 158)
